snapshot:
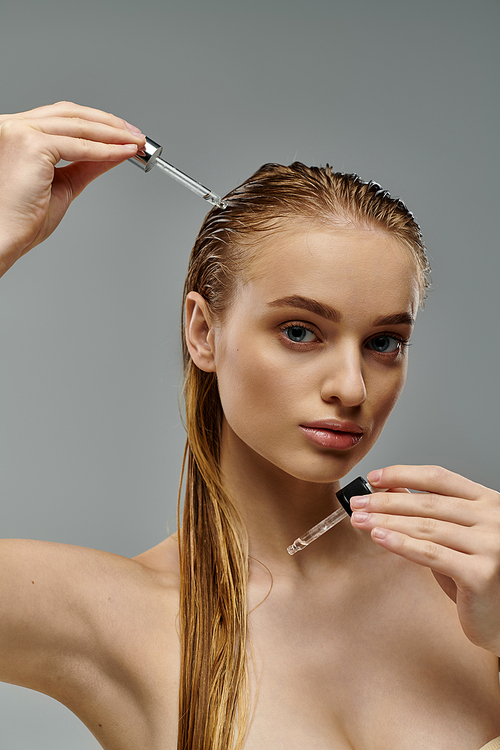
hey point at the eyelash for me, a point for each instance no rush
(403, 343)
(297, 344)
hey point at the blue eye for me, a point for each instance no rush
(299, 334)
(385, 344)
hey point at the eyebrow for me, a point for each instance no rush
(330, 313)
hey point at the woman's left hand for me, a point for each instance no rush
(448, 524)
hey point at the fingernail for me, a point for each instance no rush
(358, 502)
(379, 533)
(131, 146)
(133, 129)
(360, 516)
(374, 476)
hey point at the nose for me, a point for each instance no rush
(343, 378)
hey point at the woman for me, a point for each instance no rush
(299, 303)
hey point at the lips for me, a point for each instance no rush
(332, 433)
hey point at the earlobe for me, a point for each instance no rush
(199, 333)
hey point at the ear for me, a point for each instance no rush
(199, 332)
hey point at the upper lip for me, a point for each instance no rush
(335, 425)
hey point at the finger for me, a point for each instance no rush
(427, 479)
(81, 174)
(444, 533)
(21, 141)
(19, 131)
(70, 109)
(448, 562)
(428, 505)
(84, 150)
(391, 489)
(77, 127)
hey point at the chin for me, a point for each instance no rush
(320, 471)
(324, 467)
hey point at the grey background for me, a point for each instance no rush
(403, 93)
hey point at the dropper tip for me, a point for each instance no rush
(219, 202)
(215, 199)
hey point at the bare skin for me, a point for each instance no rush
(356, 645)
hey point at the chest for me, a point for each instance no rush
(348, 669)
(353, 671)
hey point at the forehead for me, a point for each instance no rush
(335, 265)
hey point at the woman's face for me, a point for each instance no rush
(311, 356)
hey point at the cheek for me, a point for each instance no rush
(252, 388)
(385, 398)
(244, 382)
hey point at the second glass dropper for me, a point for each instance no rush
(358, 486)
(150, 156)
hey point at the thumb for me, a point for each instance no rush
(80, 174)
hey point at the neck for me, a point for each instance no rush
(277, 508)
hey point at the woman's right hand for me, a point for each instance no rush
(34, 194)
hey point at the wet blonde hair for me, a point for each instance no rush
(213, 697)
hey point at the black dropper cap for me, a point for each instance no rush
(358, 486)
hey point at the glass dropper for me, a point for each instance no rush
(150, 156)
(358, 486)
(325, 525)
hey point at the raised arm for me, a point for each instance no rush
(34, 193)
(56, 600)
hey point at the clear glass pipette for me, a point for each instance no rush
(358, 486)
(150, 156)
(188, 182)
(325, 525)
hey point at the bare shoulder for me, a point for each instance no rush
(34, 567)
(96, 631)
(61, 603)
(163, 559)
